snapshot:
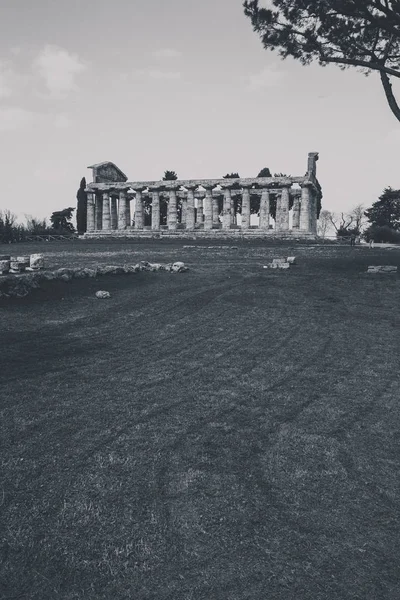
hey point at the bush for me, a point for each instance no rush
(382, 233)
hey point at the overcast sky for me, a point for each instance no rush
(183, 85)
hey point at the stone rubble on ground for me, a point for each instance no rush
(382, 269)
(281, 263)
(103, 294)
(20, 284)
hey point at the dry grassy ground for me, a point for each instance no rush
(229, 433)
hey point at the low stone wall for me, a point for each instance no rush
(19, 286)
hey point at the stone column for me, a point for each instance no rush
(245, 208)
(200, 214)
(106, 223)
(139, 210)
(264, 209)
(172, 215)
(226, 213)
(90, 212)
(99, 213)
(233, 212)
(305, 208)
(190, 215)
(128, 216)
(183, 211)
(284, 220)
(278, 211)
(208, 209)
(215, 212)
(114, 213)
(296, 213)
(155, 210)
(313, 211)
(122, 210)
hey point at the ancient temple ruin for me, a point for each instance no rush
(202, 207)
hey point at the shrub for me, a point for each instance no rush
(382, 233)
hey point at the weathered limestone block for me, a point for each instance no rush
(4, 267)
(382, 269)
(155, 210)
(114, 213)
(90, 212)
(102, 294)
(179, 267)
(278, 261)
(36, 261)
(246, 208)
(190, 212)
(17, 266)
(106, 225)
(208, 210)
(172, 214)
(264, 209)
(122, 210)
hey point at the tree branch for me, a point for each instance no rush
(387, 87)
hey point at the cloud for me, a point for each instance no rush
(266, 78)
(50, 171)
(14, 118)
(167, 53)
(155, 74)
(6, 77)
(59, 69)
(62, 121)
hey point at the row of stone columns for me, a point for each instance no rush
(105, 212)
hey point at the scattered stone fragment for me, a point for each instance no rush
(179, 267)
(110, 270)
(4, 267)
(24, 260)
(291, 260)
(36, 261)
(103, 294)
(17, 266)
(382, 269)
(64, 274)
(278, 261)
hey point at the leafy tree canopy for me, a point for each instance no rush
(61, 220)
(386, 210)
(265, 172)
(349, 33)
(170, 176)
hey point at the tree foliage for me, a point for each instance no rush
(386, 210)
(265, 172)
(170, 176)
(61, 220)
(364, 34)
(81, 214)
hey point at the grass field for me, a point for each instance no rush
(228, 433)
